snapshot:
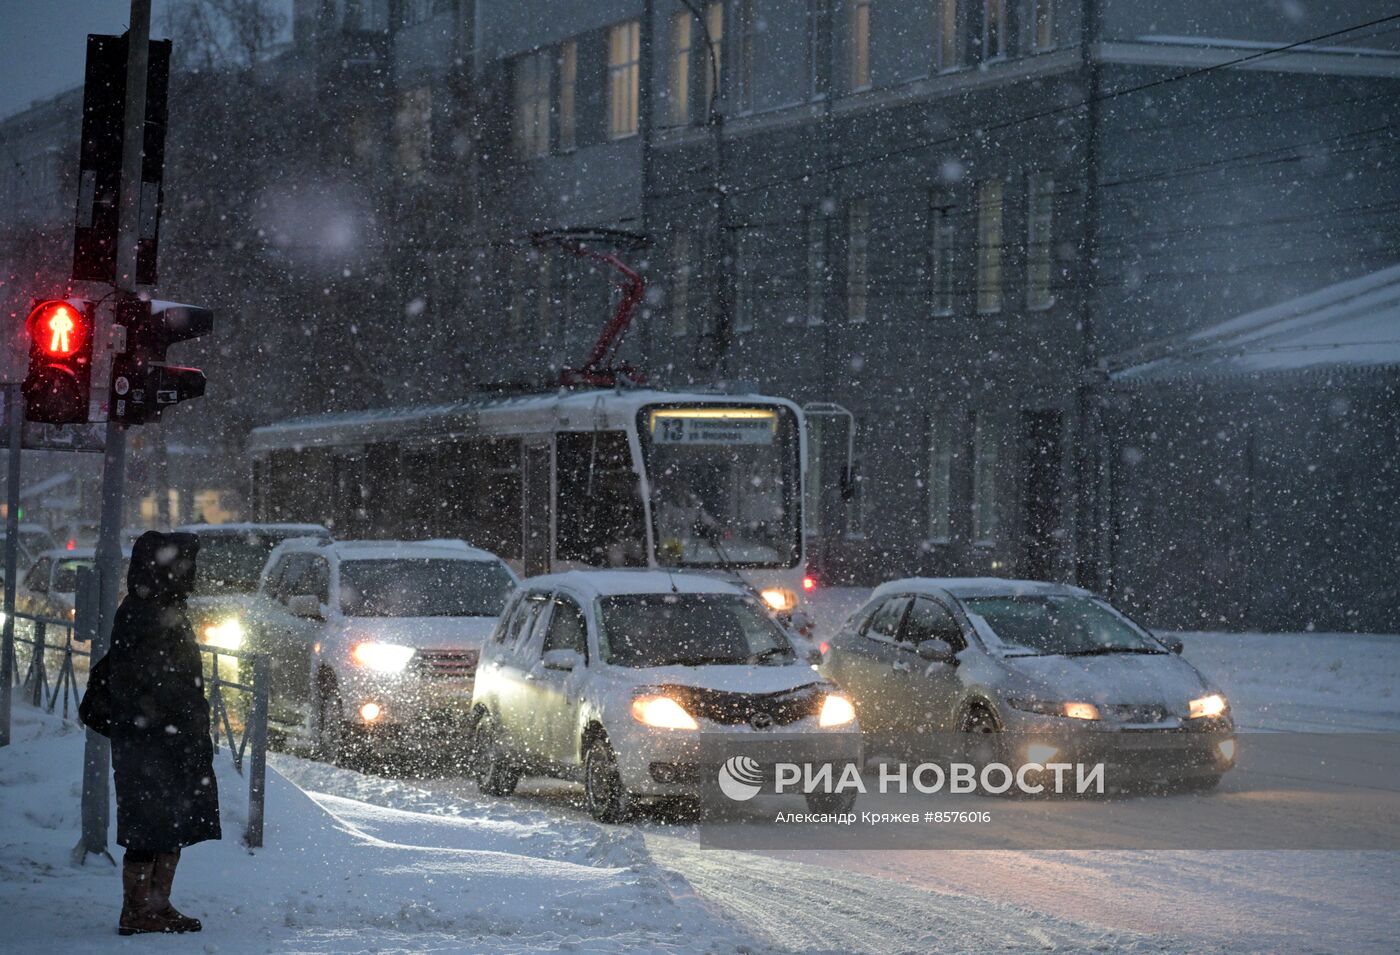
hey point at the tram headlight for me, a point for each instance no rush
(779, 599)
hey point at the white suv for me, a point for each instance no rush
(642, 684)
(375, 643)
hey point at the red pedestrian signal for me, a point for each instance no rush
(58, 384)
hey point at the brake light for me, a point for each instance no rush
(809, 582)
(824, 648)
(72, 543)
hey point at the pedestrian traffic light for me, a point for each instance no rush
(59, 382)
(143, 385)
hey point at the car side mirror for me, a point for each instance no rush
(561, 659)
(306, 606)
(1173, 644)
(935, 650)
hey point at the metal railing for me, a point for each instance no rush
(243, 731)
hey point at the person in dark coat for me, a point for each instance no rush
(162, 754)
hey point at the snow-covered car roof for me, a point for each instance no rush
(247, 527)
(977, 587)
(611, 583)
(400, 550)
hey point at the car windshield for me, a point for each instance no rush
(231, 563)
(65, 575)
(1058, 624)
(724, 485)
(423, 587)
(653, 630)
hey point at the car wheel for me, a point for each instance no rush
(983, 742)
(495, 774)
(603, 792)
(831, 802)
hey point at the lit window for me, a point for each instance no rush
(1040, 227)
(939, 480)
(624, 75)
(714, 23)
(993, 29)
(857, 260)
(989, 214)
(940, 255)
(568, 94)
(680, 283)
(532, 104)
(984, 468)
(682, 29)
(816, 266)
(947, 42)
(860, 44)
(1043, 25)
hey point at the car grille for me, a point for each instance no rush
(447, 664)
(1136, 713)
(759, 710)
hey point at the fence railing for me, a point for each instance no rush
(243, 731)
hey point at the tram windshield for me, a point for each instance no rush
(724, 484)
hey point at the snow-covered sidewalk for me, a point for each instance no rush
(341, 875)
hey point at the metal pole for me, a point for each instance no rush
(14, 405)
(257, 766)
(97, 755)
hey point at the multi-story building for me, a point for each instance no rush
(948, 217)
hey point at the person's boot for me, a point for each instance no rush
(162, 878)
(138, 915)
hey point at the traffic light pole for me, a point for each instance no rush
(97, 753)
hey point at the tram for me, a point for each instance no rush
(581, 477)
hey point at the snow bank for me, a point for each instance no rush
(339, 874)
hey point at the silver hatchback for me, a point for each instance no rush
(1021, 672)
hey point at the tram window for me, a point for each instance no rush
(599, 509)
(383, 488)
(494, 493)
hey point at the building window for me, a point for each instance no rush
(532, 104)
(816, 266)
(948, 54)
(940, 257)
(414, 125)
(568, 94)
(680, 283)
(989, 214)
(993, 29)
(714, 23)
(860, 44)
(624, 75)
(519, 291)
(939, 480)
(857, 260)
(984, 486)
(748, 29)
(817, 15)
(1040, 229)
(546, 301)
(678, 89)
(745, 304)
(1042, 25)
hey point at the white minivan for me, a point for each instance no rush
(642, 685)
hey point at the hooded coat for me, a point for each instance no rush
(162, 754)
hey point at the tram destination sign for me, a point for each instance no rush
(713, 426)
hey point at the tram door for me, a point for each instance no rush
(536, 511)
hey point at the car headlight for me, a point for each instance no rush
(383, 657)
(779, 598)
(662, 712)
(226, 634)
(1212, 705)
(836, 711)
(1074, 710)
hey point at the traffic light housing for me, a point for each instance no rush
(143, 384)
(59, 381)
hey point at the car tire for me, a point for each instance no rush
(496, 774)
(603, 792)
(830, 802)
(983, 742)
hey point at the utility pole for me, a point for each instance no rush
(14, 411)
(97, 752)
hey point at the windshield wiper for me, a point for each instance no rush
(699, 661)
(768, 654)
(1104, 651)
